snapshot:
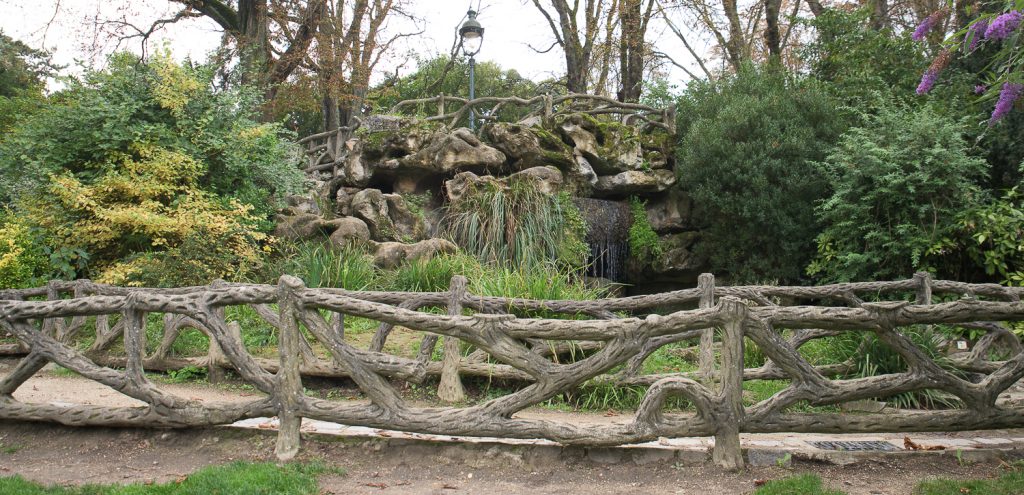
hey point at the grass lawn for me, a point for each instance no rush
(239, 478)
(1010, 483)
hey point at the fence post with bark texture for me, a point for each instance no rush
(706, 360)
(450, 389)
(289, 381)
(727, 453)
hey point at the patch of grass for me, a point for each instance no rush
(1010, 483)
(801, 484)
(187, 374)
(239, 478)
(320, 265)
(8, 448)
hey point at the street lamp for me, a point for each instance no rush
(472, 34)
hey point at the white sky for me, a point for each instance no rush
(510, 25)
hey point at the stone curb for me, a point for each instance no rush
(778, 451)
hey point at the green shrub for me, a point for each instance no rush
(746, 155)
(142, 166)
(643, 241)
(23, 263)
(898, 184)
(994, 234)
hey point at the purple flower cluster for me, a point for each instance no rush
(927, 25)
(980, 89)
(1001, 27)
(931, 75)
(1007, 96)
(927, 81)
(977, 33)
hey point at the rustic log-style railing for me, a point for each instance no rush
(545, 107)
(497, 337)
(326, 148)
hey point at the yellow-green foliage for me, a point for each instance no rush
(21, 262)
(174, 86)
(145, 205)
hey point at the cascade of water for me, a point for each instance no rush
(608, 225)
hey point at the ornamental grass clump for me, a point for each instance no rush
(517, 223)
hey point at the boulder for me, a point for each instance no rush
(449, 152)
(634, 182)
(347, 231)
(371, 206)
(390, 255)
(457, 186)
(678, 253)
(298, 204)
(521, 146)
(343, 200)
(408, 225)
(582, 174)
(355, 170)
(609, 147)
(548, 179)
(297, 227)
(677, 261)
(671, 212)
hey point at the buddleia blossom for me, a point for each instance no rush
(1003, 26)
(977, 33)
(980, 89)
(931, 75)
(928, 24)
(1007, 96)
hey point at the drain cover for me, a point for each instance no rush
(854, 445)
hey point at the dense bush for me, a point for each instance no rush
(992, 235)
(110, 115)
(142, 174)
(746, 155)
(147, 218)
(898, 184)
(22, 261)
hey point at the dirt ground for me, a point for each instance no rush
(63, 455)
(53, 454)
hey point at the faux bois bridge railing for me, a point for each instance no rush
(77, 324)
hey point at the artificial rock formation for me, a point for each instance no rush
(391, 160)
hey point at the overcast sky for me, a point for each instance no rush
(64, 28)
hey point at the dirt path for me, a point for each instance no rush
(61, 455)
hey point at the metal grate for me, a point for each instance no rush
(855, 445)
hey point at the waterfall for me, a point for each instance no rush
(608, 225)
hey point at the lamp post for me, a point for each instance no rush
(472, 34)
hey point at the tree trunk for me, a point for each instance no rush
(772, 37)
(253, 41)
(631, 50)
(735, 52)
(879, 14)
